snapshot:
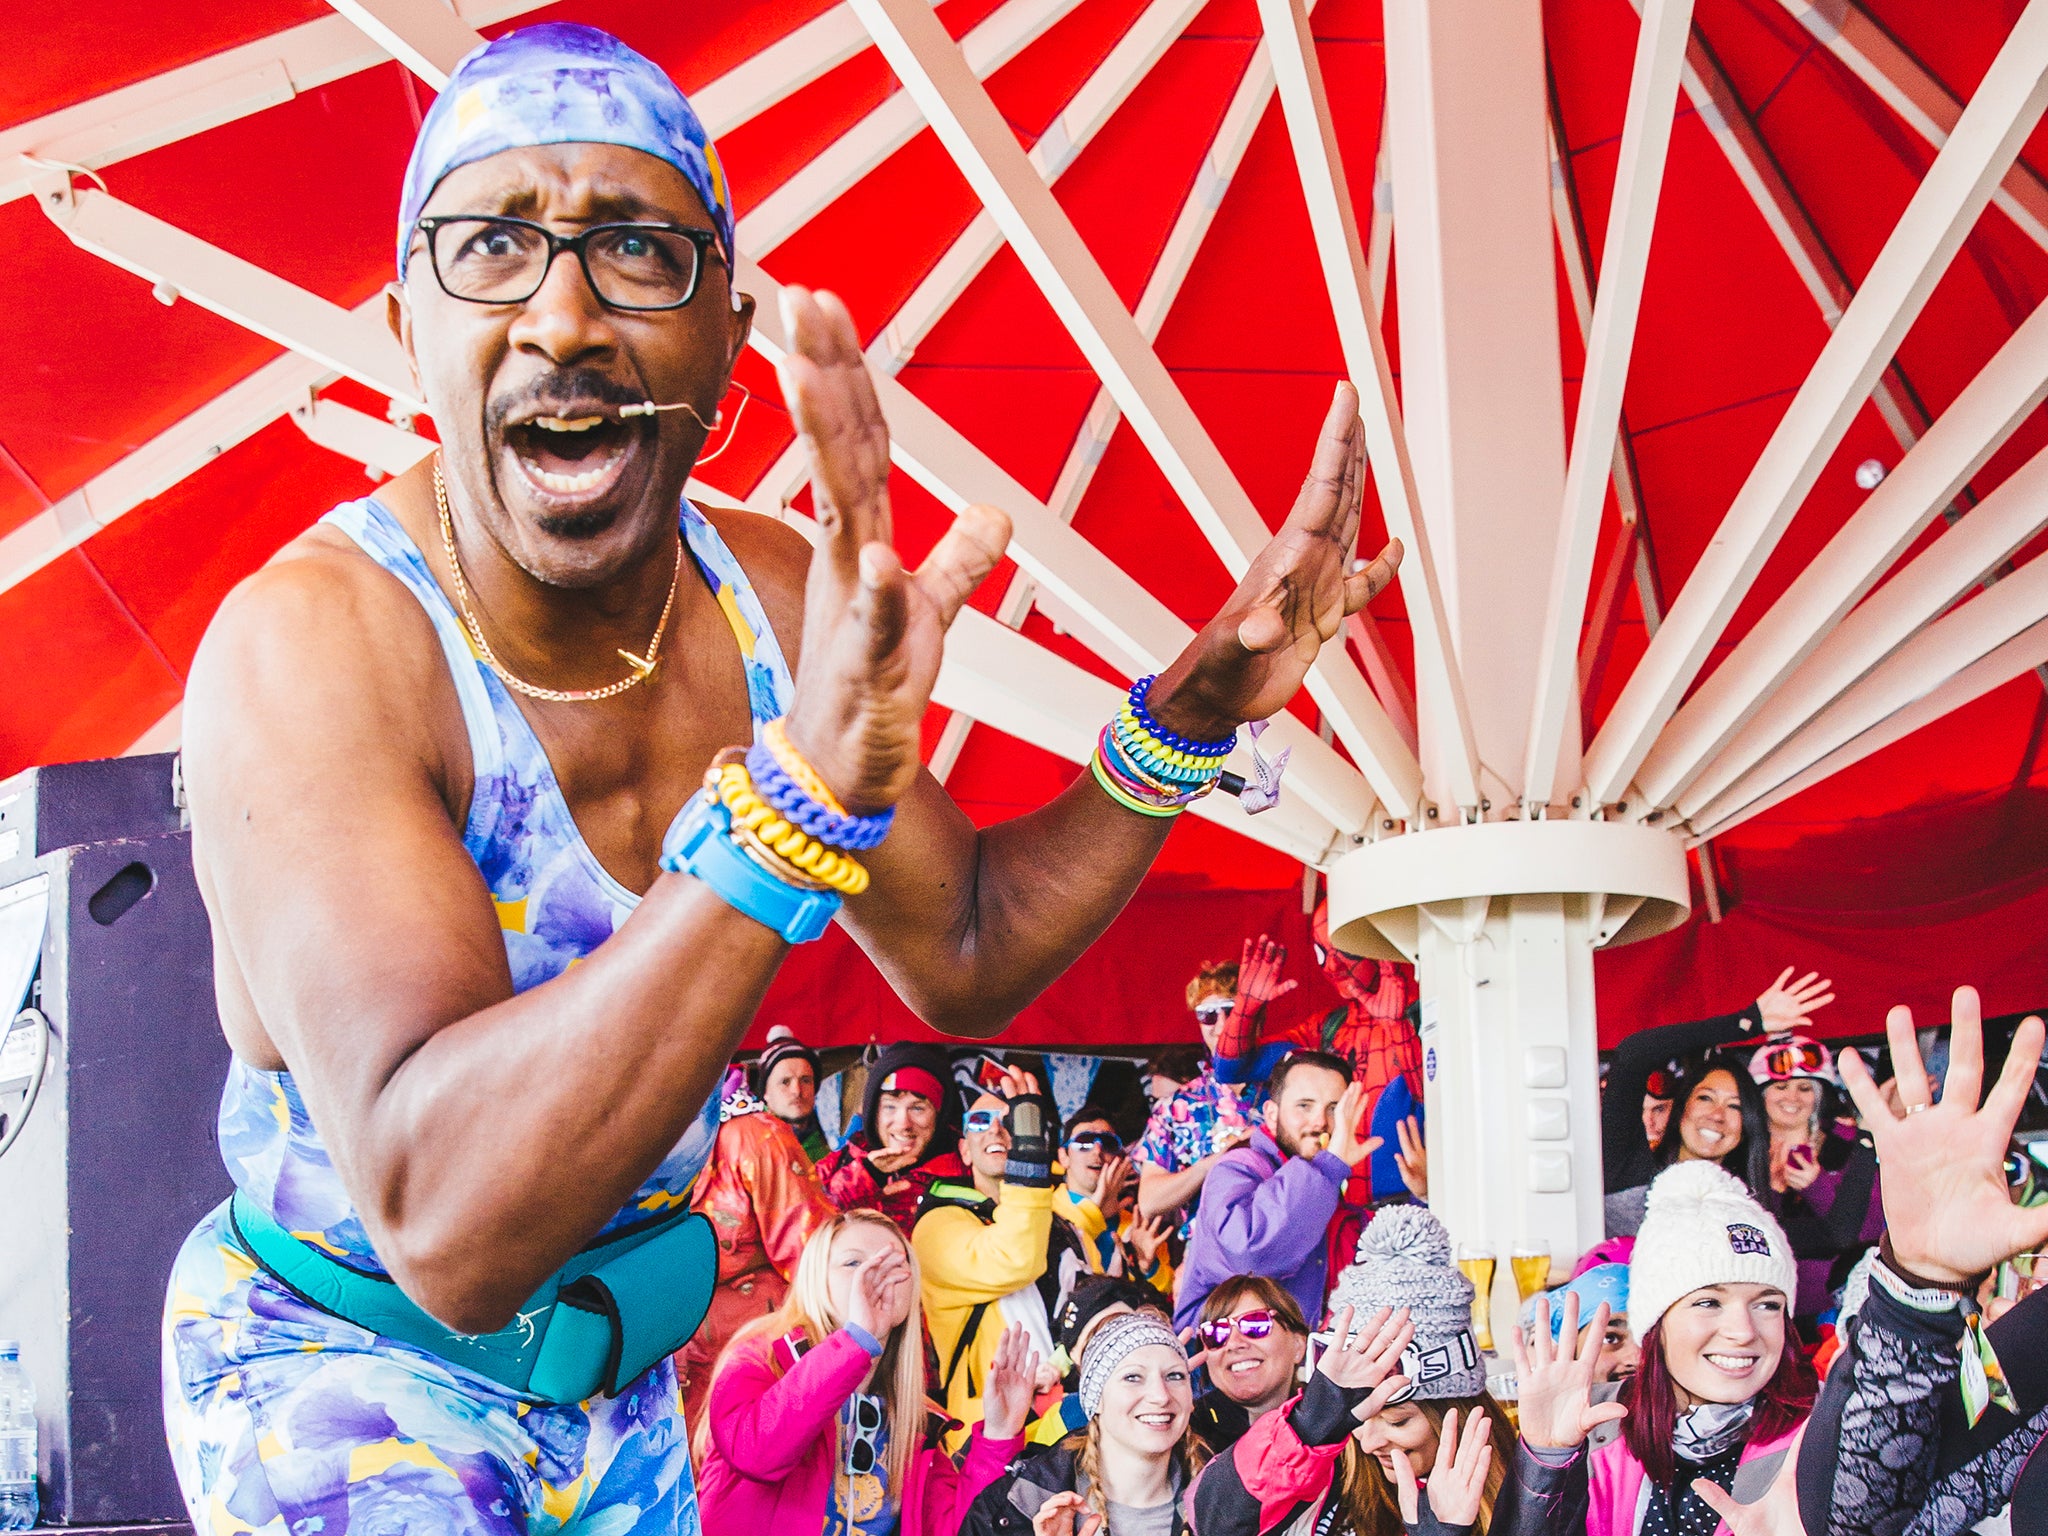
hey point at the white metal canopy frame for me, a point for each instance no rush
(1471, 829)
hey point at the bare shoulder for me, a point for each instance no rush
(777, 560)
(320, 642)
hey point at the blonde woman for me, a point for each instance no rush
(817, 1420)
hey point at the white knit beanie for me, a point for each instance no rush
(1702, 1227)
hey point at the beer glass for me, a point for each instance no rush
(1477, 1263)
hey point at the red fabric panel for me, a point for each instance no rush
(1129, 990)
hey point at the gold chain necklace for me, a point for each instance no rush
(643, 666)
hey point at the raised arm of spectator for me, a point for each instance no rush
(1269, 1225)
(1871, 1465)
(1781, 1006)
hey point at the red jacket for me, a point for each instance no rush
(850, 1184)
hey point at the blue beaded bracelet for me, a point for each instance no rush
(855, 834)
(1142, 689)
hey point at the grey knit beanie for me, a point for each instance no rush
(1113, 1340)
(1404, 1260)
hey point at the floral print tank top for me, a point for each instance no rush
(555, 902)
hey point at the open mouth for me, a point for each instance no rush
(1156, 1420)
(574, 457)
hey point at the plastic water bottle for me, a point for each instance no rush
(17, 1441)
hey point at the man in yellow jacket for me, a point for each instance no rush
(1095, 1196)
(990, 1252)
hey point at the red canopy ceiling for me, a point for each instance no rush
(1918, 866)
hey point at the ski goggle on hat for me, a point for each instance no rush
(1788, 1060)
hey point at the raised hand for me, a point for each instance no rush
(1413, 1158)
(1557, 1408)
(1065, 1514)
(1368, 1354)
(1946, 1207)
(1249, 660)
(1775, 1514)
(1012, 1379)
(1258, 975)
(1785, 1003)
(1349, 1121)
(882, 1297)
(1146, 1238)
(1457, 1482)
(872, 631)
(1016, 1083)
(1109, 1187)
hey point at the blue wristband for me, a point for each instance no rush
(700, 843)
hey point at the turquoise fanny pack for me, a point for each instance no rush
(599, 1322)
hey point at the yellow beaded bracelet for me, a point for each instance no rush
(757, 822)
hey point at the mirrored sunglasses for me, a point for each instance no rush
(981, 1121)
(1253, 1325)
(1109, 1141)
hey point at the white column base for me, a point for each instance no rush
(1501, 920)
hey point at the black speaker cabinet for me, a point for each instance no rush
(109, 1082)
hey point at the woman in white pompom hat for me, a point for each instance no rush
(1722, 1391)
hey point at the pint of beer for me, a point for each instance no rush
(1531, 1264)
(1477, 1263)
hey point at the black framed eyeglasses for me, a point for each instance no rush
(497, 259)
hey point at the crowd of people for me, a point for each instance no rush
(975, 1315)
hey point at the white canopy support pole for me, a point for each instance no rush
(1127, 626)
(1577, 259)
(177, 103)
(983, 146)
(1928, 234)
(1176, 259)
(2026, 651)
(1966, 555)
(1922, 102)
(231, 417)
(1298, 77)
(1379, 232)
(339, 340)
(1006, 32)
(1924, 664)
(1156, 29)
(1639, 181)
(1748, 705)
(423, 35)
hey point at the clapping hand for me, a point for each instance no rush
(1109, 1187)
(1250, 659)
(1065, 1514)
(881, 1294)
(1413, 1158)
(1557, 1410)
(1367, 1355)
(873, 631)
(1346, 1140)
(1146, 1238)
(1785, 1003)
(1946, 1206)
(1457, 1483)
(1258, 975)
(1012, 1379)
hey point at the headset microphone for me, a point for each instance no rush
(648, 408)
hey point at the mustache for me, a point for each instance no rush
(563, 389)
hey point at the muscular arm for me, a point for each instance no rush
(354, 926)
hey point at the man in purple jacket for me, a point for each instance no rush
(1265, 1205)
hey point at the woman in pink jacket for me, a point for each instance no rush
(1719, 1398)
(818, 1421)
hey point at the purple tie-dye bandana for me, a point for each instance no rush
(560, 83)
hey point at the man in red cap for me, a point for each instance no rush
(899, 1152)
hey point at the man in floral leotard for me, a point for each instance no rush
(433, 754)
